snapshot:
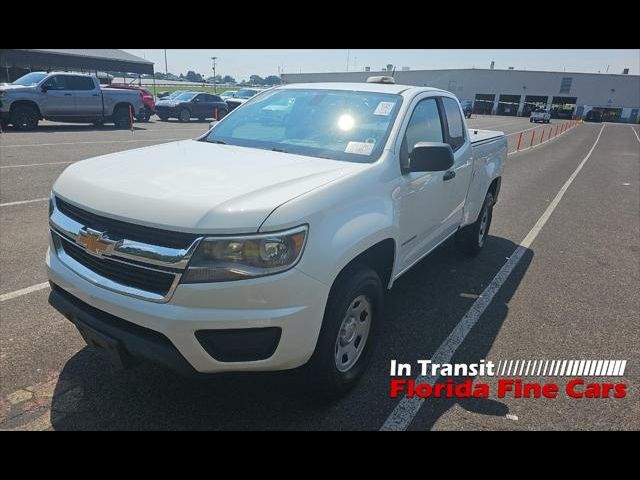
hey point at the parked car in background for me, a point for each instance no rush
(540, 115)
(467, 107)
(147, 99)
(261, 249)
(170, 95)
(241, 96)
(188, 105)
(593, 116)
(66, 97)
(228, 94)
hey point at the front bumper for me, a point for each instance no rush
(291, 301)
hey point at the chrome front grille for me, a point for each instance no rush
(134, 260)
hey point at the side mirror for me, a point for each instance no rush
(196, 100)
(431, 157)
(45, 88)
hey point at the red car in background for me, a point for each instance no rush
(147, 99)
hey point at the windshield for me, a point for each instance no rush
(185, 97)
(245, 93)
(30, 79)
(335, 124)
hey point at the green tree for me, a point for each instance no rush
(193, 76)
(272, 80)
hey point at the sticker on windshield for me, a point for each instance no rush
(384, 108)
(359, 148)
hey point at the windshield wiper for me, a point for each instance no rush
(281, 150)
(218, 141)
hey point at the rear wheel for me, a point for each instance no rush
(184, 115)
(472, 238)
(121, 117)
(24, 117)
(163, 118)
(348, 333)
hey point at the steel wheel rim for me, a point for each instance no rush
(353, 333)
(482, 233)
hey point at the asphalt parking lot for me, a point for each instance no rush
(574, 294)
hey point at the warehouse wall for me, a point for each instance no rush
(590, 89)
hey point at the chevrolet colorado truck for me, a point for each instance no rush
(66, 97)
(268, 242)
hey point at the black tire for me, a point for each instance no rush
(98, 123)
(531, 120)
(322, 373)
(163, 118)
(472, 238)
(184, 115)
(121, 117)
(24, 117)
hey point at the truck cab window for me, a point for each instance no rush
(455, 125)
(57, 82)
(424, 126)
(80, 83)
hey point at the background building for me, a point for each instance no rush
(15, 63)
(517, 92)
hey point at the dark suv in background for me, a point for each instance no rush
(190, 105)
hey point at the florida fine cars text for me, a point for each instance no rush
(454, 382)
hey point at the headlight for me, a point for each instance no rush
(219, 259)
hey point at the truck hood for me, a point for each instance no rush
(195, 186)
(16, 88)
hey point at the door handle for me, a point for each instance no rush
(95, 95)
(449, 175)
(67, 94)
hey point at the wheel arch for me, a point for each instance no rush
(26, 103)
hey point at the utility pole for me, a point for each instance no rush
(166, 69)
(213, 60)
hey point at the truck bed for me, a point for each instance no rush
(480, 136)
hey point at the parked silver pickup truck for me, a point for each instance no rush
(65, 97)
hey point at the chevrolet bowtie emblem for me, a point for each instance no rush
(95, 242)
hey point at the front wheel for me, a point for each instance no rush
(184, 115)
(24, 117)
(348, 333)
(472, 238)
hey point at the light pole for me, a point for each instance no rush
(166, 69)
(213, 59)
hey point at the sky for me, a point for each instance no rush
(240, 64)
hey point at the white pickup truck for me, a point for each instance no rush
(267, 243)
(540, 115)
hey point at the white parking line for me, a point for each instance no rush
(634, 131)
(23, 291)
(22, 202)
(94, 142)
(35, 164)
(407, 408)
